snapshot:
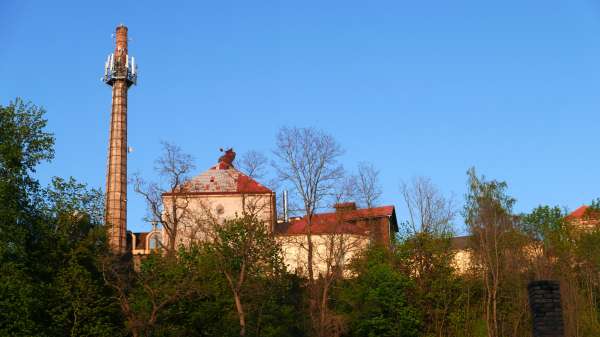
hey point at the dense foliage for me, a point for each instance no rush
(50, 241)
(57, 277)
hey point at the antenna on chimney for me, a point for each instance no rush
(120, 73)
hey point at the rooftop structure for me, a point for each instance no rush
(344, 220)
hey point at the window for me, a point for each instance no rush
(154, 242)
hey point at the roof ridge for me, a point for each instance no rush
(224, 178)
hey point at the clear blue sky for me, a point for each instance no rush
(417, 88)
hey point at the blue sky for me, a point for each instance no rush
(417, 88)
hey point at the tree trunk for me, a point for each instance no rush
(309, 258)
(241, 315)
(323, 310)
(312, 286)
(173, 236)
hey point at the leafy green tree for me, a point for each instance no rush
(23, 144)
(50, 284)
(197, 300)
(147, 293)
(428, 258)
(569, 253)
(499, 254)
(377, 301)
(78, 300)
(244, 252)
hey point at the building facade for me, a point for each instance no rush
(222, 192)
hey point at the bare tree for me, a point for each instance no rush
(338, 240)
(336, 248)
(368, 187)
(253, 164)
(427, 245)
(173, 167)
(429, 210)
(308, 160)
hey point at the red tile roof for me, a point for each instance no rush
(584, 213)
(342, 222)
(578, 213)
(223, 178)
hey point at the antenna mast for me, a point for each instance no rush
(120, 72)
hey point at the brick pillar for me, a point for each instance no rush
(546, 309)
(116, 182)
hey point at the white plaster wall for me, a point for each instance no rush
(462, 261)
(327, 248)
(220, 207)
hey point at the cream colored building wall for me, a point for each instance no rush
(329, 250)
(203, 210)
(585, 224)
(462, 261)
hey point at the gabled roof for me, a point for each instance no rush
(578, 213)
(346, 222)
(223, 178)
(585, 213)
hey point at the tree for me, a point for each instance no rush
(335, 249)
(549, 235)
(308, 160)
(24, 143)
(438, 287)
(499, 251)
(173, 166)
(377, 301)
(253, 164)
(244, 251)
(50, 284)
(567, 251)
(429, 210)
(78, 300)
(368, 187)
(146, 295)
(270, 302)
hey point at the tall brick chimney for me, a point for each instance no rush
(120, 72)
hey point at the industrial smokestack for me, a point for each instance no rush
(118, 75)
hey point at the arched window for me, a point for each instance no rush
(154, 241)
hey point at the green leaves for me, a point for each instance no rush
(25, 143)
(377, 301)
(50, 240)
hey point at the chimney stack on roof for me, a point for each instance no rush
(345, 206)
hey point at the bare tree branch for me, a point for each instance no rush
(253, 164)
(308, 161)
(173, 166)
(428, 209)
(368, 187)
